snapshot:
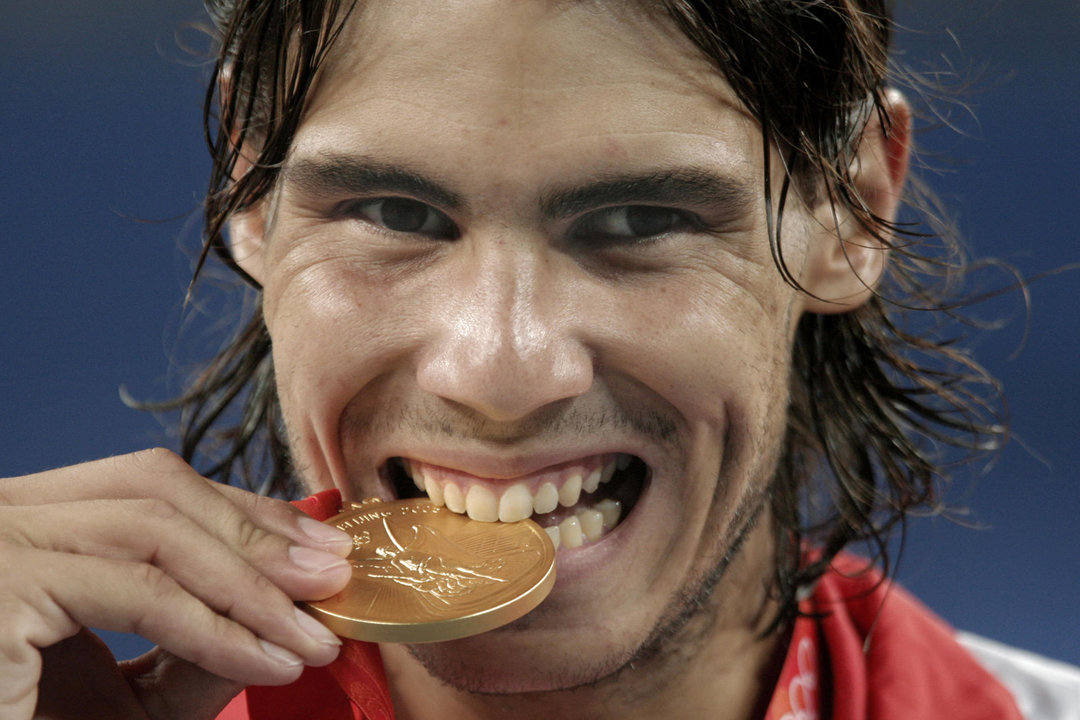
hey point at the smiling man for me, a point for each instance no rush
(463, 267)
(630, 269)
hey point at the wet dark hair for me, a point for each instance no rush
(880, 401)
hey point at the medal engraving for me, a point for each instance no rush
(422, 573)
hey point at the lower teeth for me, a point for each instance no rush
(586, 525)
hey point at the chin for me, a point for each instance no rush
(519, 658)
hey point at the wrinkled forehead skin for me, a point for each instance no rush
(640, 48)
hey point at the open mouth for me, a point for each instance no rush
(576, 503)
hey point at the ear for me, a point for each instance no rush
(247, 239)
(846, 261)
(247, 228)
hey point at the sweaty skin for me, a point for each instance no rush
(511, 242)
(452, 276)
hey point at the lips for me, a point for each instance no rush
(577, 502)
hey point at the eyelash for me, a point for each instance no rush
(624, 217)
(436, 224)
(604, 227)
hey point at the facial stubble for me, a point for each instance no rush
(677, 637)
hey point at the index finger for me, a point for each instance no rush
(162, 474)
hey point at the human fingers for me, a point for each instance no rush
(31, 620)
(57, 593)
(267, 533)
(168, 687)
(152, 532)
(290, 521)
(161, 473)
(204, 626)
(80, 679)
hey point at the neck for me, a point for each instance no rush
(716, 665)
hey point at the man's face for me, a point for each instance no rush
(515, 244)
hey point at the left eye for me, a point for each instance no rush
(403, 215)
(631, 223)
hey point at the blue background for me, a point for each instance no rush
(99, 127)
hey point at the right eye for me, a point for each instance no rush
(402, 215)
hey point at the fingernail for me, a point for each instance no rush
(325, 534)
(316, 561)
(280, 655)
(319, 632)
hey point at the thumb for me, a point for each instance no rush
(168, 687)
(80, 679)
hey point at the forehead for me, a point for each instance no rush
(522, 81)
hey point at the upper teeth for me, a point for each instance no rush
(540, 494)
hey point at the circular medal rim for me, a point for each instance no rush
(435, 630)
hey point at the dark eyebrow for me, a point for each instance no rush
(680, 186)
(337, 175)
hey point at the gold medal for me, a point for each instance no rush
(424, 574)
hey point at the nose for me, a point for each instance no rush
(504, 341)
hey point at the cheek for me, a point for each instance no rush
(329, 314)
(709, 346)
(314, 323)
(332, 333)
(717, 353)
